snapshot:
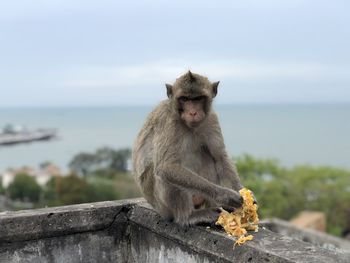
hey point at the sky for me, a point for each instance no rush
(112, 53)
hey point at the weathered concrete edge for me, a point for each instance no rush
(57, 221)
(27, 225)
(309, 235)
(202, 240)
(266, 246)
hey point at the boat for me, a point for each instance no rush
(12, 134)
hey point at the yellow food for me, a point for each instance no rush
(242, 219)
(243, 239)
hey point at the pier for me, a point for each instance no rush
(9, 138)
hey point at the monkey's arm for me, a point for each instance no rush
(227, 172)
(183, 178)
(224, 165)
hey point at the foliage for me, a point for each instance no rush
(45, 164)
(104, 159)
(72, 189)
(67, 190)
(24, 188)
(113, 160)
(83, 163)
(123, 184)
(103, 191)
(126, 186)
(283, 192)
(2, 190)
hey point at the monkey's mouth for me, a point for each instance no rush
(193, 124)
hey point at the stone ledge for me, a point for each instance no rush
(56, 221)
(131, 231)
(307, 235)
(267, 246)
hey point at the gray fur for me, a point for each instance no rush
(173, 162)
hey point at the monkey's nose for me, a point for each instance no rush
(194, 113)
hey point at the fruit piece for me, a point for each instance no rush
(242, 219)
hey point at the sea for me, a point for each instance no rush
(292, 134)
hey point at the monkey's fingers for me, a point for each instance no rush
(235, 201)
(218, 209)
(229, 209)
(230, 197)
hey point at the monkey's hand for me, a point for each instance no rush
(228, 197)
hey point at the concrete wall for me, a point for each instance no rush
(130, 231)
(317, 238)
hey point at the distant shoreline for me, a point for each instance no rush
(279, 104)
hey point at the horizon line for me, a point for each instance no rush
(155, 104)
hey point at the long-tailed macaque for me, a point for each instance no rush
(179, 158)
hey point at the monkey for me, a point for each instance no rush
(179, 157)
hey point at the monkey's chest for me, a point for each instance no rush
(199, 161)
(191, 160)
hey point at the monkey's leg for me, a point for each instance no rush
(173, 203)
(191, 182)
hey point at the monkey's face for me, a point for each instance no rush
(191, 96)
(192, 110)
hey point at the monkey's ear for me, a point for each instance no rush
(214, 87)
(169, 90)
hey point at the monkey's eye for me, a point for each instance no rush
(183, 99)
(199, 98)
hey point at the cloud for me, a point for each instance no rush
(166, 71)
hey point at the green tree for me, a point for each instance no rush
(102, 191)
(83, 164)
(325, 189)
(2, 190)
(283, 192)
(105, 161)
(114, 160)
(67, 190)
(25, 188)
(71, 189)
